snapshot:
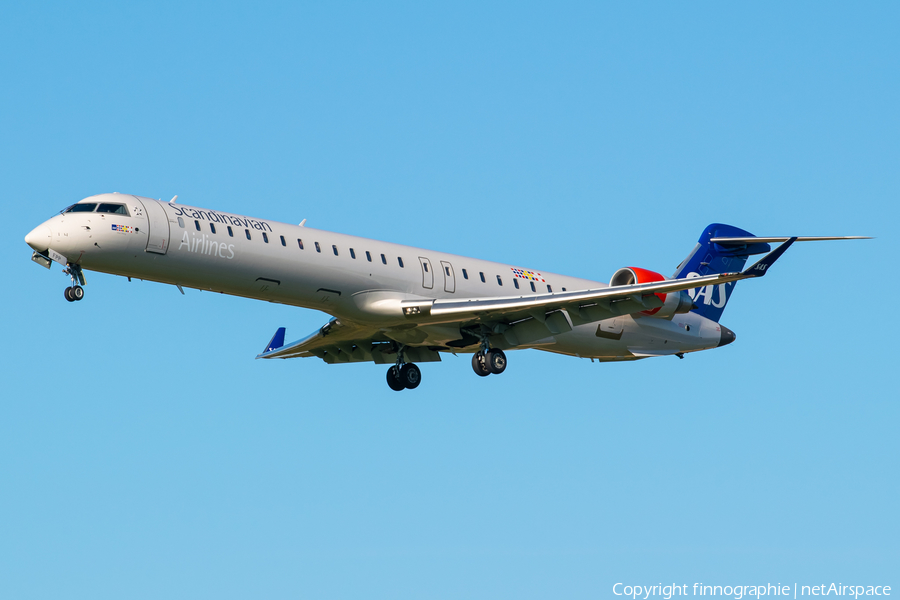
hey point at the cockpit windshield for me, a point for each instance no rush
(105, 207)
(116, 209)
(81, 208)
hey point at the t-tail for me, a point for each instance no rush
(709, 258)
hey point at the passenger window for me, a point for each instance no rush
(465, 275)
(447, 271)
(549, 289)
(82, 208)
(283, 243)
(265, 237)
(383, 260)
(482, 276)
(197, 224)
(352, 253)
(114, 209)
(334, 248)
(181, 222)
(247, 233)
(425, 266)
(368, 256)
(499, 281)
(230, 232)
(300, 243)
(564, 289)
(516, 282)
(212, 227)
(318, 248)
(532, 287)
(400, 260)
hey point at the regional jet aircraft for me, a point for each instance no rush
(400, 305)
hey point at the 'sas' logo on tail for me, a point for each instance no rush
(707, 293)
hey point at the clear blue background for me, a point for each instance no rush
(145, 454)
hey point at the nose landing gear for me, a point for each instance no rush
(75, 292)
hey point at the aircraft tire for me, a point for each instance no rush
(410, 376)
(77, 293)
(68, 294)
(393, 380)
(496, 361)
(479, 365)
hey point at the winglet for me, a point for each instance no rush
(276, 342)
(761, 266)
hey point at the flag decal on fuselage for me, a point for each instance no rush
(526, 274)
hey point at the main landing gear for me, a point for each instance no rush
(403, 376)
(75, 292)
(486, 362)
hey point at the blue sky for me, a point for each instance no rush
(145, 454)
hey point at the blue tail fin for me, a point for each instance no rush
(708, 258)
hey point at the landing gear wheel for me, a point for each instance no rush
(496, 361)
(393, 380)
(410, 376)
(77, 293)
(479, 365)
(68, 294)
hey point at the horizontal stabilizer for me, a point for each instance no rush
(738, 241)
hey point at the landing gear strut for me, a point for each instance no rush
(403, 376)
(75, 292)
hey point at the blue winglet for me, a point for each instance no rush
(761, 267)
(276, 342)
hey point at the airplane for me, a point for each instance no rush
(400, 305)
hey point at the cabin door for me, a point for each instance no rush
(427, 273)
(158, 237)
(449, 277)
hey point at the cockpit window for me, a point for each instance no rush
(116, 209)
(81, 208)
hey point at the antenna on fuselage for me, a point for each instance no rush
(174, 198)
(303, 222)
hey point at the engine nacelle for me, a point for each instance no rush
(672, 303)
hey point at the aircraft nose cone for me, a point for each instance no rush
(39, 238)
(727, 336)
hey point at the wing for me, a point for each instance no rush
(336, 342)
(583, 306)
